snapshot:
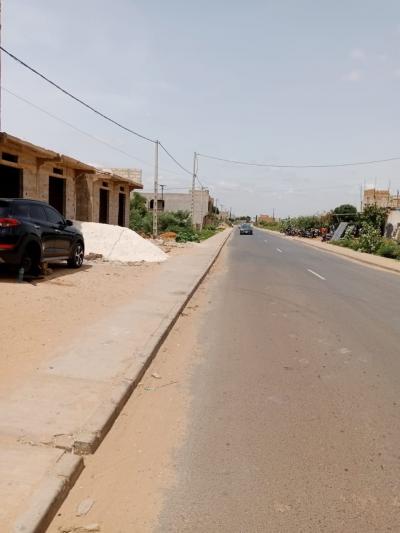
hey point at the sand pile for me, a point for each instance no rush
(118, 244)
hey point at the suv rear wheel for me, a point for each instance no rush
(30, 261)
(76, 259)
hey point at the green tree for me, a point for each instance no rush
(344, 213)
(375, 216)
(139, 217)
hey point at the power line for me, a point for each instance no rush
(79, 100)
(55, 117)
(174, 160)
(273, 165)
(83, 132)
(88, 106)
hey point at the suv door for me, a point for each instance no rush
(41, 224)
(62, 234)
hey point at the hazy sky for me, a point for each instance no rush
(288, 81)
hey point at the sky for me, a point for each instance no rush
(288, 82)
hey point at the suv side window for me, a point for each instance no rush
(53, 216)
(37, 212)
(21, 210)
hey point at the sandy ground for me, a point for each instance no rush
(38, 316)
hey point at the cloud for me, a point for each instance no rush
(396, 73)
(358, 54)
(354, 75)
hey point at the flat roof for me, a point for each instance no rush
(108, 174)
(17, 143)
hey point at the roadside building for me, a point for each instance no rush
(392, 228)
(77, 190)
(381, 198)
(265, 218)
(169, 202)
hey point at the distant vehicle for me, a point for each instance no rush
(33, 232)
(246, 229)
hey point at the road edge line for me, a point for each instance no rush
(337, 251)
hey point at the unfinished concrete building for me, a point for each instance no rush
(77, 190)
(169, 202)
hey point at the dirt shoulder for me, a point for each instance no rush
(39, 317)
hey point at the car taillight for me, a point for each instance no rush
(9, 222)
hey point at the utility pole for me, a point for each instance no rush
(1, 80)
(162, 187)
(193, 187)
(155, 201)
(201, 208)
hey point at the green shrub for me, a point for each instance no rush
(187, 235)
(389, 248)
(370, 239)
(348, 242)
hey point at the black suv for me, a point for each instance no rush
(33, 232)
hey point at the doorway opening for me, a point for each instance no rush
(104, 206)
(10, 182)
(121, 209)
(57, 194)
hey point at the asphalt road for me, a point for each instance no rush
(275, 406)
(295, 414)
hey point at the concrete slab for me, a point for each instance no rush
(24, 470)
(45, 408)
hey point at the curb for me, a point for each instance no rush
(336, 250)
(47, 499)
(100, 423)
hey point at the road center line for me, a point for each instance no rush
(315, 274)
(279, 250)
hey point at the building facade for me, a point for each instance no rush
(169, 202)
(77, 190)
(381, 198)
(392, 228)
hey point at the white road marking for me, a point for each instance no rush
(279, 250)
(315, 274)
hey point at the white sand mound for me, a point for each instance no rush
(118, 244)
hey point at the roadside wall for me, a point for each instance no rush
(183, 202)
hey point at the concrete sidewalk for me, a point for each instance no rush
(393, 265)
(64, 410)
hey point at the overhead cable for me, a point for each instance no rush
(174, 159)
(79, 130)
(284, 165)
(79, 100)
